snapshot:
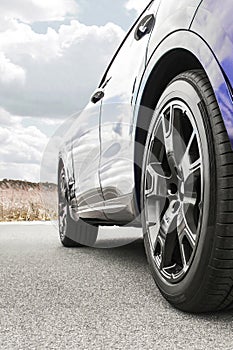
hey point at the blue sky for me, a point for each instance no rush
(52, 56)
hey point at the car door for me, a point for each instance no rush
(118, 86)
(85, 162)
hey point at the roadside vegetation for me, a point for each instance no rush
(27, 201)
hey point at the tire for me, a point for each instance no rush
(187, 197)
(72, 233)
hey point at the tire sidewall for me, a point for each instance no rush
(78, 232)
(188, 288)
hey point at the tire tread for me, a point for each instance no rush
(218, 294)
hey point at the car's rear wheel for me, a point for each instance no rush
(72, 233)
(187, 197)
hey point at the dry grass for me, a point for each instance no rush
(27, 201)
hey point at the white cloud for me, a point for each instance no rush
(30, 11)
(59, 69)
(10, 72)
(21, 148)
(137, 5)
(29, 172)
(44, 77)
(7, 120)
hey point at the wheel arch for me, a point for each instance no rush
(171, 64)
(181, 51)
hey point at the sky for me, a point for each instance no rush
(53, 54)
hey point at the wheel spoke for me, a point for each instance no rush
(155, 194)
(168, 223)
(157, 185)
(185, 157)
(166, 237)
(190, 228)
(169, 139)
(154, 229)
(195, 166)
(190, 198)
(154, 209)
(173, 194)
(167, 126)
(190, 237)
(186, 164)
(185, 232)
(190, 168)
(168, 131)
(183, 256)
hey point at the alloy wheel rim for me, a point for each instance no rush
(62, 204)
(174, 190)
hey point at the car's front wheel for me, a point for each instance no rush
(187, 197)
(72, 233)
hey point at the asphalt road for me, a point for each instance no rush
(57, 298)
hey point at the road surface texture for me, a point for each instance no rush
(57, 298)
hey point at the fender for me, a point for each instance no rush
(190, 43)
(193, 43)
(214, 25)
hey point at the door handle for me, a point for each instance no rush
(144, 27)
(97, 96)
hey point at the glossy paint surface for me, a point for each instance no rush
(117, 130)
(116, 165)
(214, 24)
(99, 148)
(172, 16)
(83, 149)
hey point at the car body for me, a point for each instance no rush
(102, 151)
(179, 41)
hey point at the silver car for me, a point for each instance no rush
(153, 149)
